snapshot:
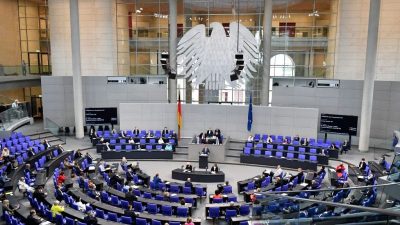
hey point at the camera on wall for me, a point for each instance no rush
(165, 64)
(239, 66)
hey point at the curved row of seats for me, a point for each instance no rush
(280, 138)
(128, 133)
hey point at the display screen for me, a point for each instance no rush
(101, 116)
(338, 124)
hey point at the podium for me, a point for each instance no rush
(203, 161)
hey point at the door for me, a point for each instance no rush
(38, 63)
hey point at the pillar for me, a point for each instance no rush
(267, 29)
(172, 95)
(76, 68)
(370, 61)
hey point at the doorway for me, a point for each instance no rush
(38, 63)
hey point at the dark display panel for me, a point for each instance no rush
(338, 124)
(101, 115)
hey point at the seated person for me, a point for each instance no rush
(370, 179)
(232, 207)
(67, 164)
(123, 134)
(217, 195)
(31, 152)
(61, 178)
(209, 133)
(40, 194)
(56, 208)
(321, 171)
(250, 138)
(382, 161)
(340, 169)
(333, 147)
(362, 165)
(157, 180)
(24, 187)
(278, 182)
(286, 141)
(90, 218)
(296, 138)
(28, 170)
(299, 176)
(168, 147)
(205, 150)
(188, 183)
(33, 218)
(131, 141)
(130, 196)
(77, 154)
(188, 167)
(269, 140)
(108, 146)
(164, 132)
(278, 172)
(304, 142)
(160, 141)
(214, 169)
(345, 147)
(130, 213)
(314, 185)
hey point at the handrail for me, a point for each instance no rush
(387, 212)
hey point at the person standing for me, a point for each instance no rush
(23, 66)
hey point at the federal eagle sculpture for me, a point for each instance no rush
(211, 60)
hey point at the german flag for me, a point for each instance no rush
(179, 116)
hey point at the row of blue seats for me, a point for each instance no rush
(280, 138)
(281, 147)
(142, 141)
(129, 133)
(278, 154)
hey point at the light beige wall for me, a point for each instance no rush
(97, 37)
(10, 52)
(352, 40)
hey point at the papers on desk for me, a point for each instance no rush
(225, 196)
(304, 184)
(45, 223)
(174, 194)
(187, 171)
(167, 182)
(212, 172)
(135, 186)
(332, 170)
(256, 178)
(92, 168)
(360, 177)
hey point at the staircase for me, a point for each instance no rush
(50, 137)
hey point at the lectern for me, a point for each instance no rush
(203, 161)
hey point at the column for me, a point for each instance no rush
(172, 32)
(370, 61)
(76, 68)
(267, 29)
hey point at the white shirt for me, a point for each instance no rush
(14, 105)
(160, 141)
(131, 141)
(278, 172)
(101, 167)
(81, 206)
(250, 138)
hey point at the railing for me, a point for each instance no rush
(11, 116)
(55, 129)
(25, 70)
(287, 207)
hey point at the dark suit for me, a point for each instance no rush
(209, 133)
(189, 167)
(33, 220)
(205, 151)
(39, 195)
(136, 131)
(130, 197)
(362, 165)
(90, 220)
(215, 169)
(131, 214)
(164, 132)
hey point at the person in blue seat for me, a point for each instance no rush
(168, 147)
(345, 147)
(362, 165)
(188, 183)
(382, 161)
(164, 132)
(157, 180)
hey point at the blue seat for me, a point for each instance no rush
(290, 148)
(189, 200)
(182, 211)
(140, 221)
(118, 148)
(217, 200)
(213, 212)
(257, 137)
(280, 147)
(128, 147)
(124, 204)
(313, 158)
(114, 200)
(112, 217)
(126, 220)
(270, 146)
(290, 155)
(147, 195)
(187, 190)
(156, 222)
(174, 188)
(100, 214)
(166, 210)
(257, 152)
(227, 189)
(250, 186)
(137, 206)
(232, 199)
(249, 144)
(279, 154)
(174, 198)
(302, 157)
(152, 208)
(244, 210)
(302, 150)
(313, 150)
(229, 214)
(200, 192)
(268, 153)
(266, 182)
